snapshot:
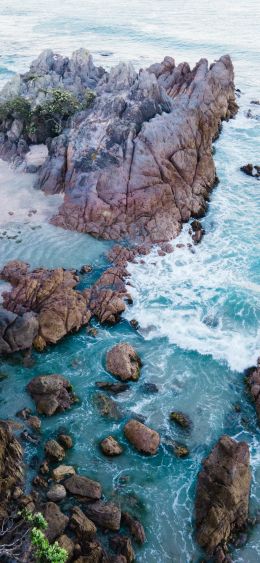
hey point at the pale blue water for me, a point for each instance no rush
(198, 313)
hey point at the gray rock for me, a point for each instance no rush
(17, 332)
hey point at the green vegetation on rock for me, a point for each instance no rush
(16, 108)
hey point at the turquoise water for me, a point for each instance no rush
(198, 313)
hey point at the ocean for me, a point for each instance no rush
(198, 312)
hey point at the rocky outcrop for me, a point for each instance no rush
(137, 163)
(51, 295)
(51, 393)
(253, 383)
(17, 332)
(11, 466)
(123, 362)
(144, 439)
(222, 495)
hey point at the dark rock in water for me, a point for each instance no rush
(253, 383)
(251, 170)
(86, 269)
(134, 323)
(66, 441)
(34, 422)
(51, 393)
(111, 447)
(135, 527)
(198, 231)
(57, 521)
(56, 493)
(150, 387)
(255, 102)
(106, 515)
(27, 437)
(108, 407)
(17, 332)
(142, 437)
(123, 546)
(81, 525)
(54, 451)
(81, 486)
(123, 362)
(112, 387)
(222, 495)
(181, 419)
(11, 466)
(180, 450)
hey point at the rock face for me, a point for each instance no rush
(253, 382)
(222, 494)
(138, 162)
(144, 439)
(11, 465)
(17, 332)
(51, 393)
(51, 295)
(123, 362)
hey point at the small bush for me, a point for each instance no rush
(45, 552)
(16, 108)
(89, 97)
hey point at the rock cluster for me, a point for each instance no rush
(51, 393)
(222, 495)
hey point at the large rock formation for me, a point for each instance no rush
(11, 466)
(253, 382)
(222, 494)
(138, 162)
(17, 332)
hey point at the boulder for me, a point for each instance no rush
(251, 170)
(105, 514)
(253, 383)
(181, 419)
(144, 439)
(65, 441)
(54, 451)
(122, 545)
(135, 527)
(81, 525)
(123, 362)
(111, 447)
(34, 422)
(62, 471)
(51, 393)
(222, 495)
(80, 486)
(66, 543)
(17, 332)
(57, 521)
(56, 493)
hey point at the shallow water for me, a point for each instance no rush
(198, 312)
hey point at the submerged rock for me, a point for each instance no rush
(222, 496)
(181, 419)
(143, 438)
(107, 407)
(112, 387)
(123, 362)
(51, 393)
(135, 527)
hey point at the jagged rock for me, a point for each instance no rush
(222, 494)
(51, 295)
(105, 299)
(57, 521)
(66, 441)
(197, 230)
(51, 393)
(253, 382)
(135, 527)
(112, 387)
(66, 543)
(17, 332)
(81, 525)
(181, 419)
(34, 422)
(106, 515)
(54, 451)
(123, 362)
(111, 447)
(56, 493)
(149, 387)
(143, 438)
(80, 486)
(251, 170)
(62, 471)
(123, 546)
(11, 466)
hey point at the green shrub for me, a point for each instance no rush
(44, 551)
(89, 97)
(16, 108)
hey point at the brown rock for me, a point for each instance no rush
(112, 387)
(222, 494)
(11, 465)
(84, 528)
(54, 451)
(181, 419)
(51, 393)
(123, 546)
(106, 515)
(34, 422)
(95, 554)
(83, 487)
(56, 493)
(107, 406)
(66, 543)
(65, 441)
(62, 471)
(111, 447)
(123, 362)
(57, 521)
(143, 438)
(135, 527)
